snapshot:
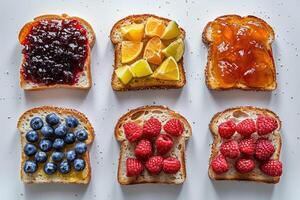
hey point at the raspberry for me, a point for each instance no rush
(264, 149)
(143, 150)
(174, 127)
(230, 149)
(266, 124)
(227, 129)
(171, 165)
(134, 167)
(246, 127)
(152, 128)
(219, 164)
(154, 164)
(244, 165)
(272, 168)
(133, 131)
(164, 144)
(247, 146)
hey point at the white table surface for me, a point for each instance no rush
(195, 101)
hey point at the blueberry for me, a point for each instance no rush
(45, 145)
(47, 131)
(40, 157)
(81, 135)
(64, 167)
(29, 149)
(52, 119)
(80, 148)
(57, 156)
(58, 143)
(61, 130)
(71, 155)
(79, 164)
(70, 138)
(36, 123)
(32, 136)
(30, 167)
(50, 168)
(72, 122)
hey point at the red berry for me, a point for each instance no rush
(154, 164)
(244, 165)
(174, 127)
(227, 129)
(266, 124)
(164, 144)
(230, 149)
(152, 128)
(246, 127)
(143, 150)
(133, 131)
(264, 149)
(134, 167)
(219, 164)
(247, 146)
(272, 168)
(171, 165)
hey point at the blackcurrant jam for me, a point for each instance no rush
(55, 52)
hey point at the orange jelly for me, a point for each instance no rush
(241, 53)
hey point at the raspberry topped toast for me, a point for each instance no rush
(240, 53)
(246, 145)
(148, 53)
(152, 146)
(56, 53)
(55, 146)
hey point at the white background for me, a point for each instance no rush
(195, 101)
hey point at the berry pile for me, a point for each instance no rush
(247, 151)
(55, 145)
(152, 146)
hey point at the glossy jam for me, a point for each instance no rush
(240, 52)
(55, 52)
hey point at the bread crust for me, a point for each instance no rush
(64, 179)
(209, 76)
(218, 140)
(30, 86)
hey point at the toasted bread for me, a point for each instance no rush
(84, 79)
(146, 82)
(238, 114)
(74, 177)
(212, 81)
(127, 149)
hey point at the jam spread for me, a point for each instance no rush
(240, 53)
(54, 51)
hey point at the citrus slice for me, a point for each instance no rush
(124, 74)
(154, 27)
(175, 49)
(168, 70)
(133, 32)
(171, 31)
(130, 50)
(141, 68)
(152, 52)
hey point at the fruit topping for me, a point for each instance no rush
(230, 149)
(40, 157)
(264, 149)
(164, 144)
(133, 32)
(244, 165)
(79, 164)
(29, 149)
(153, 51)
(64, 167)
(50, 168)
(141, 68)
(52, 119)
(151, 128)
(175, 49)
(57, 156)
(134, 167)
(227, 129)
(246, 127)
(266, 124)
(61, 131)
(81, 135)
(174, 127)
(272, 168)
(58, 143)
(154, 165)
(72, 122)
(143, 150)
(171, 31)
(47, 131)
(30, 167)
(80, 148)
(219, 164)
(168, 70)
(70, 138)
(36, 123)
(32, 136)
(45, 145)
(171, 165)
(133, 131)
(130, 50)
(247, 146)
(124, 74)
(154, 27)
(71, 155)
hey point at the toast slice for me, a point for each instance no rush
(138, 115)
(73, 177)
(237, 114)
(145, 82)
(245, 70)
(83, 78)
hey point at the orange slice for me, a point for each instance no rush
(133, 32)
(153, 51)
(154, 27)
(130, 51)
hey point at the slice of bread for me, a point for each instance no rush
(238, 114)
(138, 115)
(207, 37)
(40, 176)
(84, 78)
(146, 82)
